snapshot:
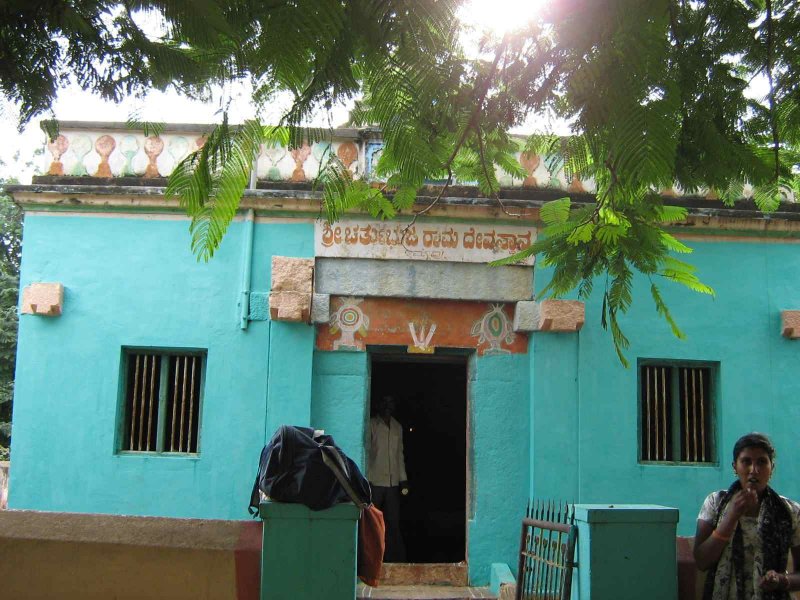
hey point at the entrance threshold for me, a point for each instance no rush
(422, 592)
(453, 574)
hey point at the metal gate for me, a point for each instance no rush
(547, 552)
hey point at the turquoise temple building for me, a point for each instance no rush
(148, 381)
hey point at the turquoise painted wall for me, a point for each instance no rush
(290, 359)
(582, 393)
(499, 460)
(339, 404)
(291, 344)
(554, 416)
(133, 282)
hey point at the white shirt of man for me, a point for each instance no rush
(386, 465)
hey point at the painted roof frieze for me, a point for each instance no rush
(113, 150)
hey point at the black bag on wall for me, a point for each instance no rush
(291, 469)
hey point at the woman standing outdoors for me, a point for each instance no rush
(744, 534)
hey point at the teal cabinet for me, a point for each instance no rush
(308, 554)
(626, 552)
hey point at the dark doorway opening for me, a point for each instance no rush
(431, 404)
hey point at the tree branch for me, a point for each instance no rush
(495, 193)
(476, 111)
(770, 66)
(427, 208)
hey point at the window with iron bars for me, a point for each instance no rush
(676, 406)
(162, 396)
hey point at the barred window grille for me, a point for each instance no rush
(162, 402)
(676, 413)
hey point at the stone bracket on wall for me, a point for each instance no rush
(260, 309)
(292, 288)
(558, 316)
(44, 299)
(790, 324)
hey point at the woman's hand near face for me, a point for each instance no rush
(744, 501)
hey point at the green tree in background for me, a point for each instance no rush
(101, 45)
(10, 251)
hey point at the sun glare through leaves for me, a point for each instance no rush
(500, 16)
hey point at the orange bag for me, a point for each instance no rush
(371, 545)
(371, 527)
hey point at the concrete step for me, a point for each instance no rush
(454, 574)
(422, 592)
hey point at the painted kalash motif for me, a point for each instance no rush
(421, 326)
(421, 336)
(349, 319)
(495, 329)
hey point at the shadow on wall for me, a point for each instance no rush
(4, 466)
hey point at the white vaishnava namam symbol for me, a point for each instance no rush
(494, 328)
(421, 341)
(349, 319)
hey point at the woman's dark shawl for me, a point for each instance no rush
(775, 531)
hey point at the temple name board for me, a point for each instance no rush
(451, 242)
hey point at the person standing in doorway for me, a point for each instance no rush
(386, 470)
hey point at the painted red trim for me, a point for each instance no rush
(247, 561)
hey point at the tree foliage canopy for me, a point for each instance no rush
(656, 94)
(10, 253)
(105, 47)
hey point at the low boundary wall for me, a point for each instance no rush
(47, 555)
(690, 580)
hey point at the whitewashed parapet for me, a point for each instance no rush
(547, 172)
(113, 150)
(277, 163)
(98, 153)
(116, 151)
